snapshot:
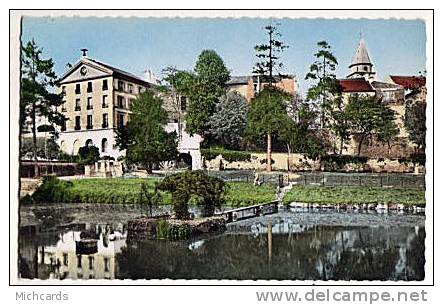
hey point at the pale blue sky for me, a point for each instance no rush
(137, 44)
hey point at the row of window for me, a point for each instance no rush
(105, 103)
(121, 86)
(90, 125)
(89, 104)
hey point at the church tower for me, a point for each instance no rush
(361, 65)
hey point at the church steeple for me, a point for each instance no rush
(361, 65)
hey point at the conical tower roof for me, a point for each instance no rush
(361, 55)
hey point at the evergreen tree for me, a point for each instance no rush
(326, 88)
(269, 54)
(37, 97)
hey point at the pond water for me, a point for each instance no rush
(293, 244)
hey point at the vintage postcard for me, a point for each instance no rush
(165, 147)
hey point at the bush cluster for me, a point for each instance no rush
(334, 161)
(228, 155)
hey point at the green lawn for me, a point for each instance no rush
(242, 194)
(127, 191)
(355, 195)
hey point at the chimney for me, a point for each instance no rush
(85, 51)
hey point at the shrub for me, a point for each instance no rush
(228, 155)
(53, 190)
(336, 162)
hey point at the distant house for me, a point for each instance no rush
(248, 86)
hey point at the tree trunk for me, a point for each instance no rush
(34, 140)
(148, 168)
(269, 156)
(341, 146)
(360, 144)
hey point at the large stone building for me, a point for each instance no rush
(395, 92)
(97, 101)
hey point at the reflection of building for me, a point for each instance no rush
(248, 86)
(97, 100)
(66, 262)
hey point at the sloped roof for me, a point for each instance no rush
(409, 82)
(114, 70)
(236, 80)
(383, 85)
(355, 85)
(361, 55)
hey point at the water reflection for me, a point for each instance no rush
(283, 250)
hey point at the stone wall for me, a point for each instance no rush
(299, 162)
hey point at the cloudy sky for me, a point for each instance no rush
(137, 44)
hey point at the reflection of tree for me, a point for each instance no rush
(415, 257)
(367, 259)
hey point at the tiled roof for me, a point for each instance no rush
(409, 82)
(355, 85)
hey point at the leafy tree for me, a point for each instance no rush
(415, 123)
(326, 87)
(208, 190)
(301, 136)
(88, 154)
(204, 90)
(268, 54)
(38, 82)
(267, 117)
(144, 137)
(368, 116)
(229, 120)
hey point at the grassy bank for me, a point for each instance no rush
(127, 191)
(355, 195)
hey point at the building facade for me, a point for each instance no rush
(97, 98)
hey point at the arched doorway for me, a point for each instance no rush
(184, 161)
(104, 145)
